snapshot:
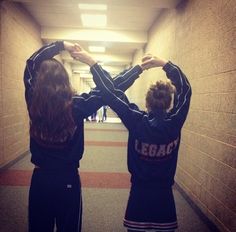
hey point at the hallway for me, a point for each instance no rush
(198, 36)
(105, 182)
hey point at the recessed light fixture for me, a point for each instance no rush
(96, 49)
(94, 20)
(85, 6)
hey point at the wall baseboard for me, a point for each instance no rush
(196, 209)
(193, 205)
(11, 163)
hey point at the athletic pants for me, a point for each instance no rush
(55, 199)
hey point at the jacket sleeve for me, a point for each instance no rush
(129, 113)
(125, 79)
(89, 103)
(32, 64)
(178, 113)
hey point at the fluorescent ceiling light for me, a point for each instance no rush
(96, 49)
(85, 6)
(94, 20)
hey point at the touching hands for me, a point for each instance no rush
(83, 56)
(78, 53)
(70, 47)
(150, 61)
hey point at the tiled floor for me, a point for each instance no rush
(105, 186)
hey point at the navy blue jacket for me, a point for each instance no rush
(154, 139)
(69, 154)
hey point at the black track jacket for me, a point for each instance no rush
(69, 154)
(154, 139)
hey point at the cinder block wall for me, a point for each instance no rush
(1, 100)
(199, 36)
(19, 38)
(139, 84)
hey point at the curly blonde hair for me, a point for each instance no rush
(159, 96)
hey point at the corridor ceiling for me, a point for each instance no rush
(126, 29)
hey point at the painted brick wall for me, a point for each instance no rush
(199, 36)
(19, 37)
(1, 100)
(140, 83)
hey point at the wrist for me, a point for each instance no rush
(163, 62)
(159, 62)
(68, 46)
(141, 67)
(60, 45)
(91, 62)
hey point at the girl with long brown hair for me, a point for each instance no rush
(57, 138)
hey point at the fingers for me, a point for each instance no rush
(146, 65)
(78, 47)
(147, 61)
(147, 57)
(83, 56)
(78, 55)
(74, 55)
(73, 49)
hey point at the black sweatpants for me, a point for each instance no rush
(55, 199)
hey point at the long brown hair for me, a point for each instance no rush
(159, 95)
(51, 119)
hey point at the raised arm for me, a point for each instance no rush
(122, 81)
(115, 98)
(44, 53)
(182, 97)
(129, 113)
(179, 112)
(85, 103)
(125, 79)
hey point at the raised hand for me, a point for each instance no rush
(70, 47)
(83, 56)
(150, 61)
